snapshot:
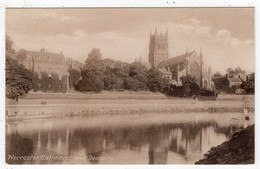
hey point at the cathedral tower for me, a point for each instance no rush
(158, 48)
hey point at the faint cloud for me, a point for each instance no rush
(192, 28)
(56, 16)
(224, 36)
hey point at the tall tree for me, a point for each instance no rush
(18, 78)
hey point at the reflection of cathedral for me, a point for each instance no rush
(189, 63)
(156, 144)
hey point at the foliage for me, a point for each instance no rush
(221, 84)
(131, 83)
(53, 83)
(239, 70)
(155, 81)
(74, 77)
(233, 89)
(217, 74)
(249, 85)
(94, 63)
(9, 51)
(112, 82)
(207, 93)
(190, 86)
(230, 71)
(18, 78)
(195, 89)
(139, 73)
(176, 91)
(90, 82)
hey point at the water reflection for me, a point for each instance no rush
(166, 143)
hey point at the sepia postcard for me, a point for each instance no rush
(130, 86)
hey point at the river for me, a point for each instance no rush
(156, 138)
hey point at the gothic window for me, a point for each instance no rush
(39, 85)
(49, 76)
(50, 86)
(60, 76)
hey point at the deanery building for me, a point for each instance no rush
(190, 63)
(50, 69)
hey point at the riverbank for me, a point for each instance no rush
(238, 150)
(50, 105)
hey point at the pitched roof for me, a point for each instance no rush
(47, 57)
(175, 60)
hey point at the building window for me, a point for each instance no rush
(49, 76)
(49, 85)
(60, 86)
(40, 75)
(60, 76)
(39, 85)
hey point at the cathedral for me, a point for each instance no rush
(189, 63)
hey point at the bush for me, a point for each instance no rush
(91, 82)
(131, 83)
(177, 91)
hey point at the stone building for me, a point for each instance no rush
(189, 63)
(158, 48)
(50, 69)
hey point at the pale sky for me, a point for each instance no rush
(226, 35)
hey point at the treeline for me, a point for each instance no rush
(105, 74)
(96, 75)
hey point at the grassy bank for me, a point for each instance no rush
(239, 150)
(49, 105)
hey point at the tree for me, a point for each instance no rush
(91, 82)
(93, 55)
(139, 72)
(74, 77)
(94, 63)
(189, 85)
(18, 78)
(239, 70)
(230, 71)
(131, 83)
(9, 51)
(249, 85)
(194, 89)
(155, 81)
(217, 74)
(92, 73)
